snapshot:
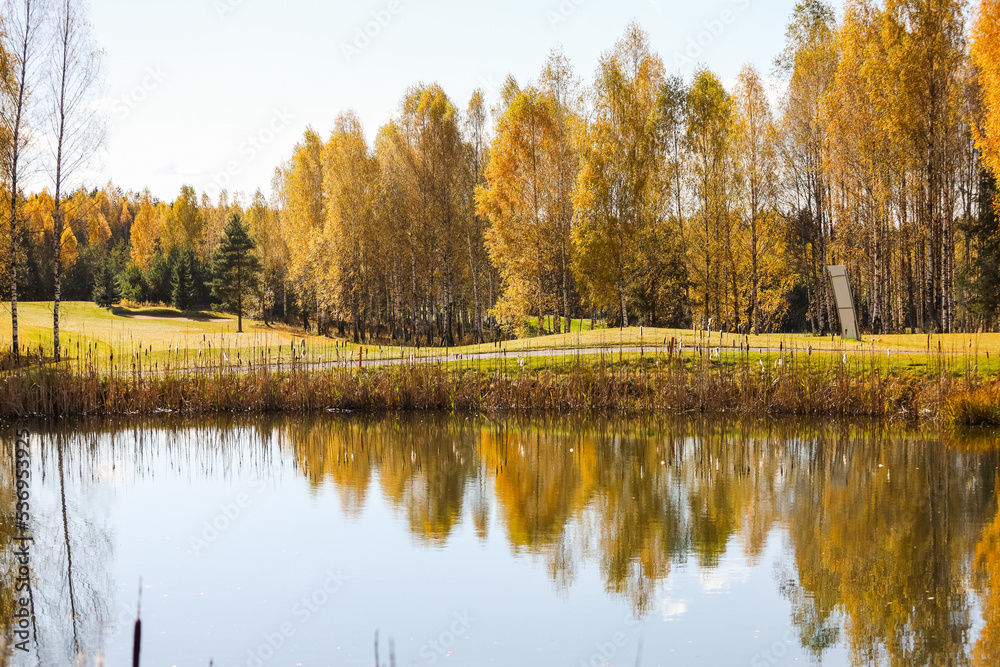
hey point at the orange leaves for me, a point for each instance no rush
(303, 216)
(527, 194)
(986, 57)
(38, 211)
(98, 231)
(350, 185)
(69, 247)
(619, 196)
(145, 234)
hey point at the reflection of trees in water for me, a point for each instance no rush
(424, 467)
(987, 649)
(76, 475)
(881, 557)
(884, 530)
(890, 560)
(72, 553)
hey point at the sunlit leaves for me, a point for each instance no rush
(620, 189)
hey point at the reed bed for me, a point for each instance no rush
(793, 384)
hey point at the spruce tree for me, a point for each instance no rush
(106, 288)
(236, 267)
(182, 282)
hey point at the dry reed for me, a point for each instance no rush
(788, 386)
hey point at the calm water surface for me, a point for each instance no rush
(471, 542)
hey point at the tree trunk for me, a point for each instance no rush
(69, 551)
(25, 41)
(475, 284)
(755, 277)
(57, 269)
(621, 292)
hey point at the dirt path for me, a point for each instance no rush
(612, 353)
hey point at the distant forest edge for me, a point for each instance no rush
(637, 197)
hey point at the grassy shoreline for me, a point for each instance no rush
(794, 386)
(93, 336)
(149, 361)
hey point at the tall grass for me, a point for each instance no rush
(975, 406)
(789, 384)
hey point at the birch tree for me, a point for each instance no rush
(21, 37)
(755, 153)
(76, 128)
(618, 194)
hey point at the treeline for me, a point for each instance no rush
(124, 246)
(638, 197)
(654, 200)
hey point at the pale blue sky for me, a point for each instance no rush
(188, 82)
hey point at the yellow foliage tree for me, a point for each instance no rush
(620, 191)
(986, 56)
(185, 225)
(350, 184)
(38, 212)
(145, 233)
(520, 198)
(98, 230)
(70, 248)
(761, 232)
(302, 220)
(77, 211)
(709, 141)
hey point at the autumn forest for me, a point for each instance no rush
(629, 195)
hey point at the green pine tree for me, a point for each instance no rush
(182, 282)
(236, 267)
(106, 288)
(981, 278)
(132, 283)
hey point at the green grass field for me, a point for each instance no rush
(577, 325)
(161, 335)
(166, 338)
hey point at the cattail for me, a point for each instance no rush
(137, 635)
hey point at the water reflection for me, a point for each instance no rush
(884, 527)
(889, 540)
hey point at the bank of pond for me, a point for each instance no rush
(943, 390)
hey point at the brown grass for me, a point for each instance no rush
(974, 406)
(744, 387)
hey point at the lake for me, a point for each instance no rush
(468, 541)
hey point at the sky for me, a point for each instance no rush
(215, 93)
